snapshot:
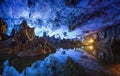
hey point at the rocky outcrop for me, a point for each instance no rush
(105, 43)
(25, 43)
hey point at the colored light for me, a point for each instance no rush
(91, 47)
(91, 41)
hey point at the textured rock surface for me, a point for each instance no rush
(49, 15)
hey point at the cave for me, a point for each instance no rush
(59, 37)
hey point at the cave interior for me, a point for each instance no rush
(60, 37)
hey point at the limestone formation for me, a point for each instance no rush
(3, 30)
(24, 42)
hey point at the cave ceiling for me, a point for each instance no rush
(59, 14)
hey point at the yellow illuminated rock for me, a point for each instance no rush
(0, 38)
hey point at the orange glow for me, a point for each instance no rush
(91, 47)
(91, 41)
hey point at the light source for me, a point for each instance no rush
(91, 47)
(91, 41)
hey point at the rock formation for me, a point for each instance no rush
(3, 29)
(25, 43)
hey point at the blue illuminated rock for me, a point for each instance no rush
(62, 15)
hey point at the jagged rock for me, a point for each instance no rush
(3, 26)
(26, 33)
(3, 29)
(25, 43)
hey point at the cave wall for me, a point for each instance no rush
(61, 15)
